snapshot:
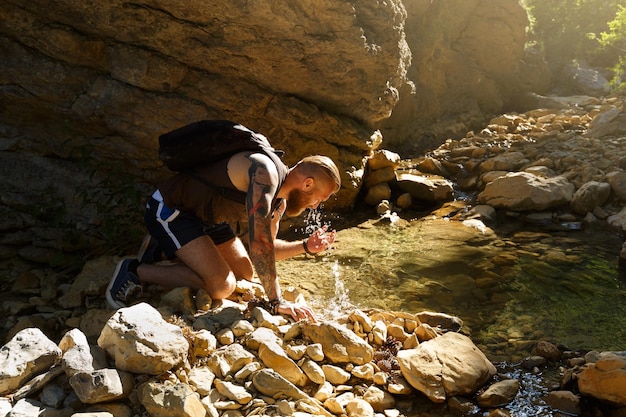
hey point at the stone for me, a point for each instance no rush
(436, 319)
(167, 400)
(617, 180)
(618, 220)
(446, 366)
(379, 176)
(220, 317)
(262, 335)
(359, 408)
(498, 394)
(509, 161)
(77, 359)
(383, 158)
(313, 371)
(377, 193)
(241, 328)
(101, 385)
(269, 382)
(201, 378)
(204, 343)
(92, 280)
(605, 379)
(430, 189)
(548, 350)
(179, 301)
(233, 391)
(229, 360)
(590, 195)
(379, 399)
(335, 375)
(140, 341)
(18, 365)
(565, 401)
(339, 344)
(523, 191)
(365, 372)
(71, 338)
(273, 356)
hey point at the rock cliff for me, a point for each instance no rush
(88, 87)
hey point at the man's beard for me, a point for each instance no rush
(297, 202)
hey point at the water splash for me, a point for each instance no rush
(340, 303)
(313, 221)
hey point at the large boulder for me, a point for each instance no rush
(19, 364)
(605, 379)
(141, 341)
(523, 191)
(446, 366)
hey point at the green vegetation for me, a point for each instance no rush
(592, 31)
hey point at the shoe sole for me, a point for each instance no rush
(112, 303)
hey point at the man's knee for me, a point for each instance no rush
(222, 289)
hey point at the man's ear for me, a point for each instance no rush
(308, 183)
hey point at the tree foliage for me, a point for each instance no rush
(614, 41)
(565, 29)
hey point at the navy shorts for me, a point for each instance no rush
(173, 229)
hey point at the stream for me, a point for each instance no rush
(512, 284)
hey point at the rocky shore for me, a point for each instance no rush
(563, 165)
(191, 357)
(178, 354)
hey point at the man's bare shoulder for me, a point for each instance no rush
(239, 167)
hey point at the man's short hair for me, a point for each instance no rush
(312, 165)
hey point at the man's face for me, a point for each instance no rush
(299, 200)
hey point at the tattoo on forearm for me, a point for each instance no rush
(259, 200)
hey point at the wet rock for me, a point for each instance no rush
(565, 401)
(548, 350)
(499, 394)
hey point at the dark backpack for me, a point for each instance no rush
(207, 141)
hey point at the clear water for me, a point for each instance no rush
(511, 285)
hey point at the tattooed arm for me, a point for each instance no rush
(261, 190)
(263, 185)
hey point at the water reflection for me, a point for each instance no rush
(511, 285)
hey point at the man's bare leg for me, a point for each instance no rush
(202, 267)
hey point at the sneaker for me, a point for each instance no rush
(124, 284)
(149, 251)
